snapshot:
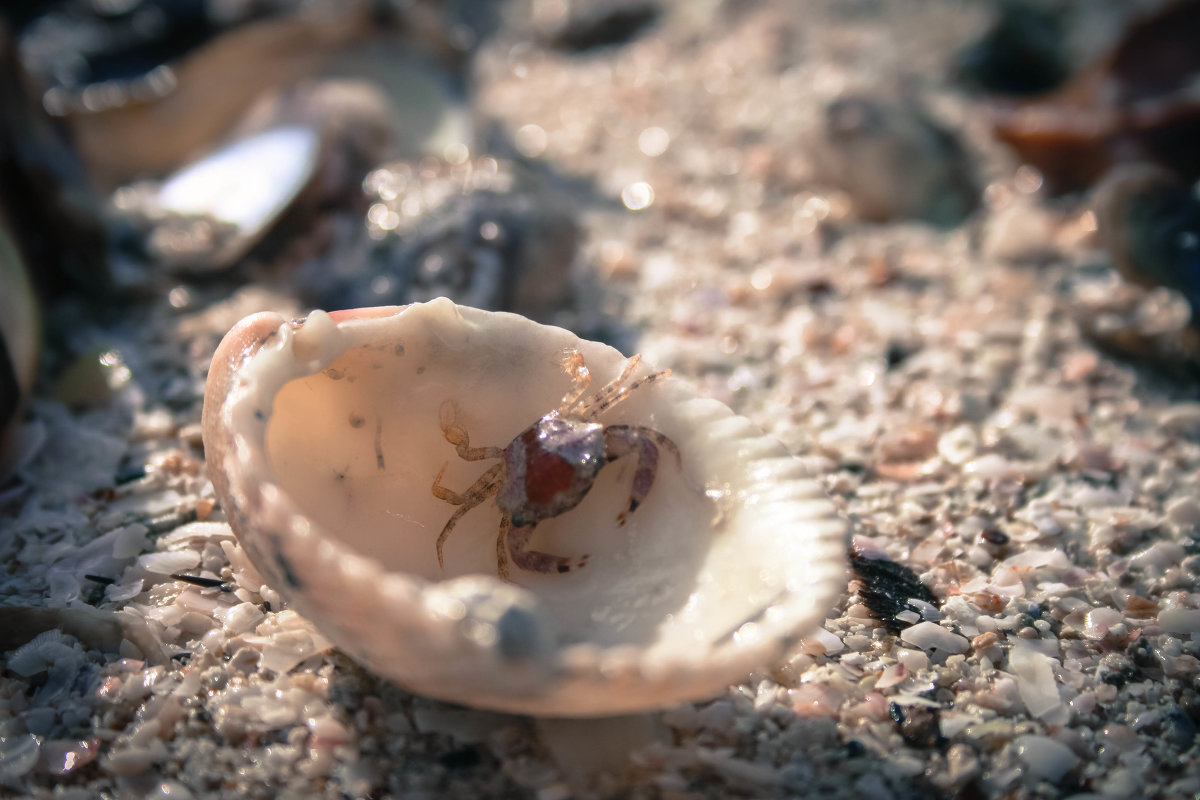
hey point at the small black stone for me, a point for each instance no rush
(589, 25)
(896, 354)
(1023, 53)
(128, 473)
(994, 536)
(919, 726)
(462, 758)
(1178, 730)
(1117, 670)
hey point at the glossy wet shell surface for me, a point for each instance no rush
(323, 441)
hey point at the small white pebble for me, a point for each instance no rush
(933, 637)
(133, 760)
(1179, 620)
(328, 729)
(167, 563)
(18, 755)
(989, 467)
(171, 790)
(1180, 418)
(1123, 783)
(241, 618)
(1035, 682)
(896, 673)
(928, 611)
(1045, 757)
(915, 660)
(822, 641)
(129, 540)
(1157, 557)
(958, 445)
(1099, 621)
(1084, 703)
(1184, 512)
(858, 642)
(1018, 232)
(719, 716)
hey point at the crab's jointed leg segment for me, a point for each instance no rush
(610, 390)
(502, 547)
(457, 435)
(621, 440)
(442, 493)
(614, 392)
(535, 560)
(487, 485)
(581, 379)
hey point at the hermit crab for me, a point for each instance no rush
(333, 443)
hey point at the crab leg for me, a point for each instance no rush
(581, 379)
(481, 490)
(535, 560)
(614, 393)
(457, 435)
(502, 547)
(621, 440)
(611, 389)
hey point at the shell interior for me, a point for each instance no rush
(730, 558)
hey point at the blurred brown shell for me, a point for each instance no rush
(1137, 103)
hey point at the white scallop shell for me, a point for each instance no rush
(323, 441)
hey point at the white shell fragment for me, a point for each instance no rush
(247, 183)
(323, 440)
(223, 204)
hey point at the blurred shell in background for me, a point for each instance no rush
(153, 85)
(895, 162)
(488, 232)
(1136, 103)
(209, 214)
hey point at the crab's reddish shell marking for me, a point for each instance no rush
(546, 473)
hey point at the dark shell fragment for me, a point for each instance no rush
(887, 587)
(1134, 104)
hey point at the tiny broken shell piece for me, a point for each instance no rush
(323, 440)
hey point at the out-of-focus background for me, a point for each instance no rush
(948, 252)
